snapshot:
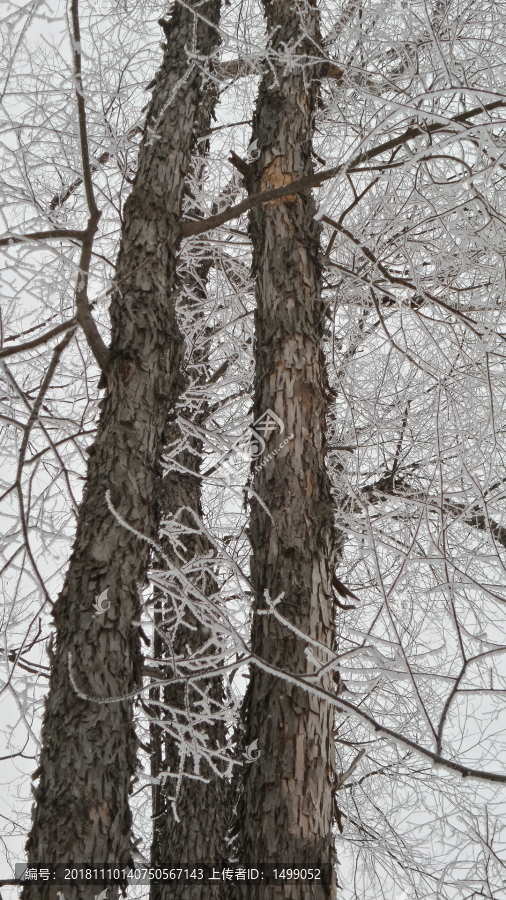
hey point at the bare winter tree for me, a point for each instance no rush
(189, 807)
(81, 808)
(285, 811)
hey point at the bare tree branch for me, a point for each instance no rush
(43, 339)
(54, 233)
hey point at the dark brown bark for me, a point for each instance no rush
(285, 809)
(199, 835)
(88, 753)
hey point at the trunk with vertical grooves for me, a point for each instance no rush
(199, 836)
(81, 811)
(285, 806)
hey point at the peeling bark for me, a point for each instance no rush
(199, 836)
(88, 753)
(285, 807)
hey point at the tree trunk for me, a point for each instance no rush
(88, 753)
(199, 835)
(285, 808)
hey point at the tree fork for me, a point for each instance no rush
(88, 756)
(285, 804)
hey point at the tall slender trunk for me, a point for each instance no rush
(193, 830)
(285, 808)
(88, 753)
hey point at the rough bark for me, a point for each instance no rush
(88, 752)
(285, 808)
(199, 835)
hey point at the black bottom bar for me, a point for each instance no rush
(186, 873)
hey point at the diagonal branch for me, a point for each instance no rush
(405, 282)
(74, 233)
(29, 345)
(57, 352)
(190, 228)
(417, 131)
(381, 730)
(385, 487)
(349, 772)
